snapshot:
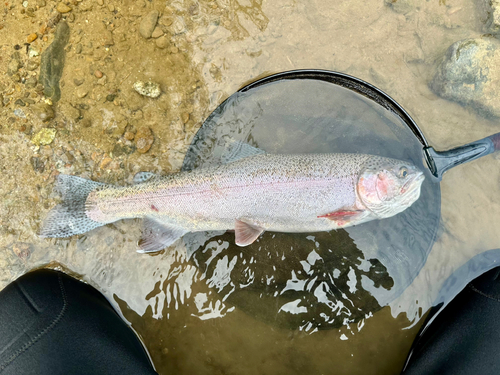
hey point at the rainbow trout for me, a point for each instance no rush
(281, 193)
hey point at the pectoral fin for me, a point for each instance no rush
(157, 236)
(246, 234)
(341, 216)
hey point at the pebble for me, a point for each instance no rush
(22, 250)
(185, 117)
(31, 82)
(162, 42)
(78, 48)
(107, 38)
(63, 8)
(82, 92)
(174, 49)
(150, 89)
(43, 111)
(41, 3)
(157, 32)
(32, 37)
(31, 65)
(129, 136)
(37, 164)
(86, 123)
(20, 102)
(144, 139)
(148, 24)
(105, 162)
(70, 112)
(44, 137)
(111, 7)
(120, 149)
(33, 52)
(13, 67)
(78, 81)
(98, 74)
(19, 113)
(100, 2)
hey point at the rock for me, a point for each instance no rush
(31, 82)
(20, 102)
(144, 139)
(78, 48)
(52, 63)
(82, 92)
(63, 8)
(105, 162)
(148, 24)
(469, 74)
(44, 137)
(178, 26)
(185, 117)
(120, 150)
(129, 136)
(151, 89)
(31, 65)
(22, 250)
(43, 111)
(19, 113)
(13, 67)
(162, 42)
(86, 123)
(31, 38)
(493, 16)
(78, 81)
(157, 32)
(98, 74)
(401, 6)
(107, 38)
(37, 164)
(71, 113)
(100, 2)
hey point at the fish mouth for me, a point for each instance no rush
(413, 183)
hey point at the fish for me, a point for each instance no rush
(250, 192)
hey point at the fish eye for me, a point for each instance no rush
(403, 172)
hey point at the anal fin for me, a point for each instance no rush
(246, 234)
(157, 236)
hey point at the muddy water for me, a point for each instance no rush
(212, 49)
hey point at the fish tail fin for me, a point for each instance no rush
(69, 217)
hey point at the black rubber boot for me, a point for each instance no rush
(464, 338)
(53, 324)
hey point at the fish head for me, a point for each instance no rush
(389, 186)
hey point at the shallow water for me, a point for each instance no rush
(214, 48)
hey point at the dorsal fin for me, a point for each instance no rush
(237, 150)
